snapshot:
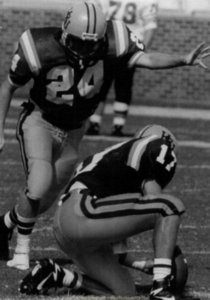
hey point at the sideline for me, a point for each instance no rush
(195, 144)
(151, 111)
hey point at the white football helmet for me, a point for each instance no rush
(84, 33)
(160, 131)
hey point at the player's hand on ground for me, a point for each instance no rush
(196, 56)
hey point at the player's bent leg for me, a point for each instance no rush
(164, 239)
(28, 210)
(47, 275)
(64, 165)
(102, 266)
(139, 212)
(26, 217)
(95, 224)
(63, 172)
(123, 91)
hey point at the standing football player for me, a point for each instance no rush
(116, 194)
(68, 66)
(141, 18)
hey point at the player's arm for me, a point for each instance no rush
(6, 93)
(127, 259)
(151, 187)
(18, 76)
(148, 36)
(157, 60)
(149, 18)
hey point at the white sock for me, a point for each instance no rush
(96, 119)
(162, 268)
(8, 221)
(72, 280)
(23, 242)
(139, 265)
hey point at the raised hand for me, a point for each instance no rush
(196, 56)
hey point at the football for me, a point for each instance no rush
(179, 272)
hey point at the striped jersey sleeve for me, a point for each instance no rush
(137, 150)
(123, 42)
(30, 53)
(25, 63)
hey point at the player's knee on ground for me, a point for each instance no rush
(40, 179)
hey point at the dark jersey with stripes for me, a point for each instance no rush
(124, 167)
(67, 95)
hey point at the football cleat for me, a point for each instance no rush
(5, 237)
(161, 290)
(117, 131)
(20, 261)
(45, 275)
(93, 129)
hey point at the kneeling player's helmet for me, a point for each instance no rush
(162, 150)
(83, 33)
(161, 132)
(179, 272)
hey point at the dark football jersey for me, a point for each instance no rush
(124, 167)
(67, 95)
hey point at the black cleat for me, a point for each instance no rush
(117, 131)
(161, 290)
(45, 275)
(5, 237)
(93, 129)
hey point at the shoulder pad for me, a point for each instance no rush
(33, 42)
(29, 50)
(118, 37)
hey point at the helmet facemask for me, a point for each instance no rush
(82, 52)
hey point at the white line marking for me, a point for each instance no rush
(182, 227)
(195, 144)
(19, 163)
(151, 111)
(165, 112)
(8, 131)
(198, 295)
(185, 251)
(10, 163)
(11, 121)
(47, 228)
(194, 167)
(52, 249)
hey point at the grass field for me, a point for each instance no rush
(191, 184)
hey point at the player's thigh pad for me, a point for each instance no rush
(130, 204)
(97, 221)
(35, 138)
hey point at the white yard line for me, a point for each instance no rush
(19, 163)
(182, 227)
(53, 249)
(199, 295)
(138, 110)
(194, 144)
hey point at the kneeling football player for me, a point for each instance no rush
(114, 195)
